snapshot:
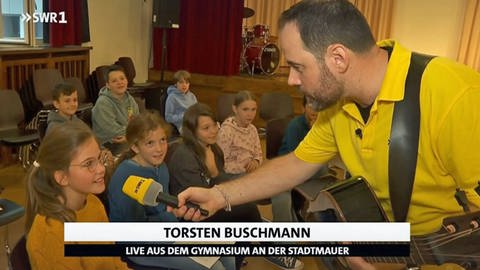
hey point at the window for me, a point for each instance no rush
(14, 30)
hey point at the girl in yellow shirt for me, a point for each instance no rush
(69, 169)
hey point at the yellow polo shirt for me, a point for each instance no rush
(449, 143)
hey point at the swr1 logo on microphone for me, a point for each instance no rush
(139, 184)
(44, 17)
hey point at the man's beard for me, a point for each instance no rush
(315, 104)
(329, 82)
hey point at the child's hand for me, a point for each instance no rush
(252, 165)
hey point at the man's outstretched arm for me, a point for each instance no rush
(280, 174)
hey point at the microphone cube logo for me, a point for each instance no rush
(139, 185)
(44, 17)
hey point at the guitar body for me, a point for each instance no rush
(353, 201)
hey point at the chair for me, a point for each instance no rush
(155, 99)
(275, 105)
(224, 106)
(152, 92)
(129, 67)
(44, 80)
(11, 114)
(91, 86)
(100, 73)
(81, 92)
(275, 130)
(86, 116)
(30, 103)
(41, 123)
(9, 212)
(19, 259)
(83, 103)
(97, 81)
(141, 103)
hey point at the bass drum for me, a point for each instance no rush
(262, 58)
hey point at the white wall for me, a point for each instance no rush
(120, 28)
(123, 28)
(429, 26)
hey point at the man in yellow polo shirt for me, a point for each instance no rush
(355, 83)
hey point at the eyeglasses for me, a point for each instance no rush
(91, 164)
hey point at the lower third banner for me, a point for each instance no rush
(241, 249)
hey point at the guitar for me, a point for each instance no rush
(458, 241)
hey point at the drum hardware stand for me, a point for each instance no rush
(247, 13)
(253, 68)
(164, 53)
(266, 35)
(244, 64)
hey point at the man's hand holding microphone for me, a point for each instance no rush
(211, 199)
(148, 192)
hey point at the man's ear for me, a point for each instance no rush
(337, 57)
(234, 109)
(61, 178)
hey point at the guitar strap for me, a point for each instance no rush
(405, 132)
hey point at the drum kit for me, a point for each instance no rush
(259, 54)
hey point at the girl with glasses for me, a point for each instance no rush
(61, 187)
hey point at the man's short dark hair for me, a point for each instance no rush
(325, 22)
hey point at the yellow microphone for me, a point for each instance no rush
(147, 191)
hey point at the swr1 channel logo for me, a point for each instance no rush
(44, 17)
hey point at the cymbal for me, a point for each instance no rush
(248, 12)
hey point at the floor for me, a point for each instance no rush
(12, 179)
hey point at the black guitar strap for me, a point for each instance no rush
(402, 159)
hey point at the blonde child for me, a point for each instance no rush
(238, 137)
(147, 135)
(198, 161)
(61, 185)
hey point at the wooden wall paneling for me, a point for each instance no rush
(17, 64)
